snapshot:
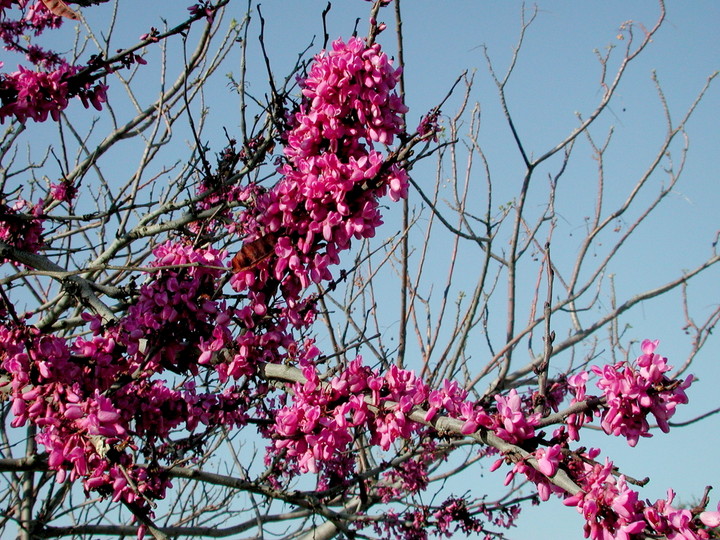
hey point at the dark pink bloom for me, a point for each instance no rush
(515, 422)
(634, 391)
(549, 459)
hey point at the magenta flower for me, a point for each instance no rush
(549, 459)
(634, 391)
(514, 423)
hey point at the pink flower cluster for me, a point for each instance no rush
(175, 312)
(319, 426)
(202, 9)
(451, 399)
(46, 91)
(515, 424)
(34, 94)
(333, 175)
(64, 191)
(614, 511)
(609, 507)
(15, 33)
(97, 394)
(43, 93)
(332, 178)
(21, 225)
(429, 126)
(410, 476)
(574, 422)
(548, 460)
(78, 425)
(453, 516)
(632, 392)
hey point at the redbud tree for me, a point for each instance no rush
(206, 330)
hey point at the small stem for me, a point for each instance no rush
(548, 338)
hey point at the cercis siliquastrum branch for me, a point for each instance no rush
(106, 417)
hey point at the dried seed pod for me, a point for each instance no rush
(61, 9)
(254, 252)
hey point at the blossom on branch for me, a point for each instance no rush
(634, 391)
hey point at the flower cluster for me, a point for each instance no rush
(630, 392)
(452, 516)
(46, 91)
(34, 94)
(15, 33)
(319, 425)
(175, 312)
(78, 425)
(202, 9)
(64, 191)
(548, 462)
(612, 510)
(515, 424)
(333, 174)
(21, 225)
(609, 507)
(410, 476)
(38, 94)
(429, 126)
(97, 394)
(634, 391)
(577, 384)
(332, 178)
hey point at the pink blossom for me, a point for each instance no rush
(549, 459)
(429, 126)
(711, 518)
(21, 225)
(610, 508)
(515, 423)
(634, 391)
